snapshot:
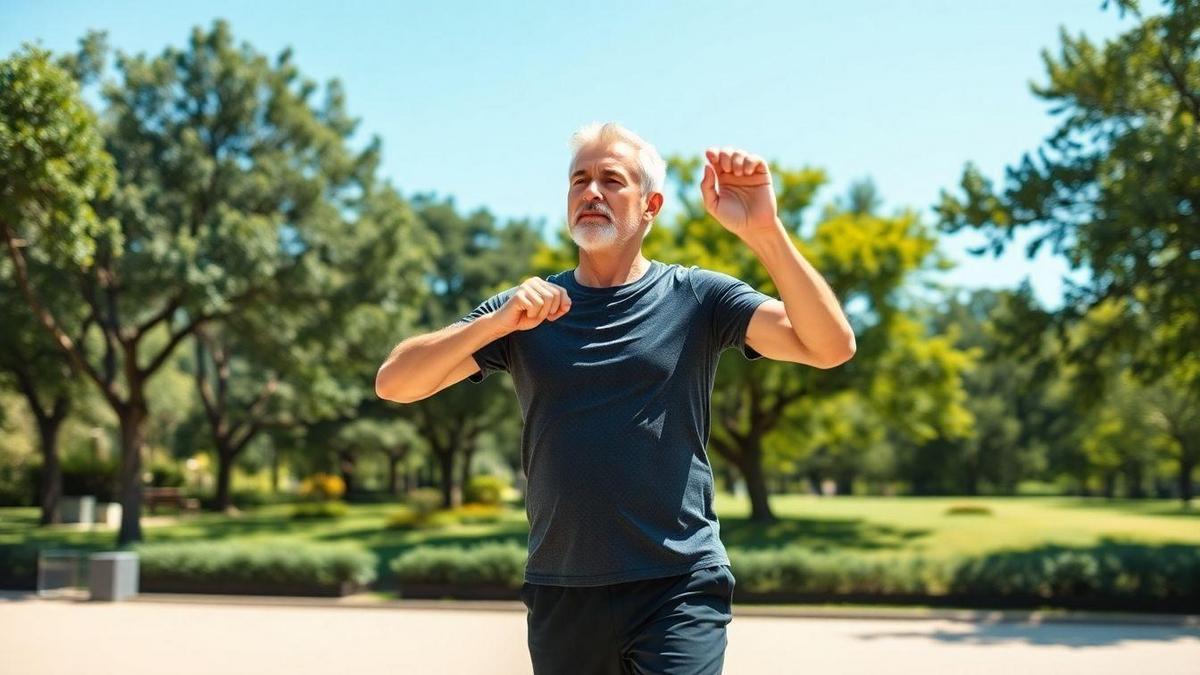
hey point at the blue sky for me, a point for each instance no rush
(477, 100)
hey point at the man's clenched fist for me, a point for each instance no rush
(535, 300)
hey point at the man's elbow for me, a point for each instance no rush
(828, 361)
(385, 389)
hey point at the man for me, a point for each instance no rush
(613, 364)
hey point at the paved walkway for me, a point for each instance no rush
(40, 636)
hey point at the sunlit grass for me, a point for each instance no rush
(865, 525)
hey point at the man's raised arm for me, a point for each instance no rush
(420, 366)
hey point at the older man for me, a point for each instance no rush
(613, 364)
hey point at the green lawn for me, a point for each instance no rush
(866, 525)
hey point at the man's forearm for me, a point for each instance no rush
(813, 309)
(418, 365)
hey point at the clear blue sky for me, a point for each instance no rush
(476, 100)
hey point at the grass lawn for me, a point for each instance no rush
(866, 525)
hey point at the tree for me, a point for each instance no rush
(303, 354)
(52, 166)
(475, 258)
(1116, 190)
(231, 185)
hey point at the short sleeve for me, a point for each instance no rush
(492, 357)
(729, 303)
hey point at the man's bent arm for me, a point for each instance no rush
(814, 311)
(420, 363)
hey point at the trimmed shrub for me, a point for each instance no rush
(166, 474)
(477, 514)
(406, 518)
(1123, 572)
(424, 500)
(322, 486)
(84, 475)
(485, 489)
(266, 563)
(18, 566)
(486, 564)
(798, 570)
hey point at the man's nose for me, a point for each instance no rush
(591, 192)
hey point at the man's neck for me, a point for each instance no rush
(602, 269)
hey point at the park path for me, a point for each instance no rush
(44, 636)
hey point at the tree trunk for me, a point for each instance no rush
(1110, 484)
(51, 483)
(751, 469)
(971, 485)
(1134, 488)
(814, 482)
(224, 478)
(1186, 465)
(446, 464)
(133, 437)
(465, 468)
(393, 482)
(346, 466)
(845, 484)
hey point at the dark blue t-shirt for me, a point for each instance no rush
(614, 396)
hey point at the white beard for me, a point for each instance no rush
(594, 235)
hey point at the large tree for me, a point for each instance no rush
(477, 257)
(1115, 189)
(231, 185)
(305, 355)
(52, 166)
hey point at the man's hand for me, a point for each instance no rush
(738, 191)
(535, 300)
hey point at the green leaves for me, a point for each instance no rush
(52, 160)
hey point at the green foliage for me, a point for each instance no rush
(487, 489)
(424, 500)
(322, 487)
(319, 509)
(1113, 571)
(1114, 188)
(83, 474)
(798, 570)
(490, 563)
(408, 518)
(322, 565)
(52, 159)
(166, 474)
(1111, 574)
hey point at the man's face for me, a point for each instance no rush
(604, 201)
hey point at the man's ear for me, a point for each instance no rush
(654, 204)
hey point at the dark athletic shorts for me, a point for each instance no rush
(669, 626)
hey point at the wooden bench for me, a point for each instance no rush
(154, 496)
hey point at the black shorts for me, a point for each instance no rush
(663, 626)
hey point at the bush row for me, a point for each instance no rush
(1120, 575)
(1115, 574)
(291, 564)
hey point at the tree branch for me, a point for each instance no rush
(48, 320)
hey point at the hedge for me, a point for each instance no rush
(259, 563)
(484, 564)
(1129, 576)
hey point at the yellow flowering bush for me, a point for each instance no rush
(322, 487)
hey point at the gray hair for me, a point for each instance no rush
(652, 170)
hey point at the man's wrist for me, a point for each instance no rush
(492, 327)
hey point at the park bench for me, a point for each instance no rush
(154, 496)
